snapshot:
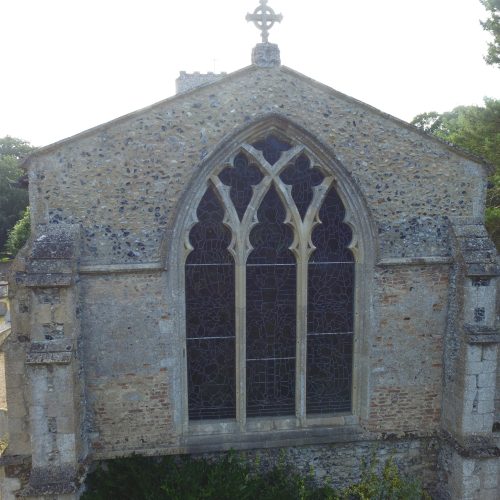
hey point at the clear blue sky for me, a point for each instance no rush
(69, 65)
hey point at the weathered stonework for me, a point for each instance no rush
(96, 353)
(189, 81)
(4, 332)
(266, 55)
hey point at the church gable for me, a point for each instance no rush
(143, 162)
(260, 262)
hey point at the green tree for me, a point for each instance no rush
(475, 129)
(492, 24)
(13, 199)
(19, 234)
(10, 146)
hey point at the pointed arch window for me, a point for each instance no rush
(269, 284)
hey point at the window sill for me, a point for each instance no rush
(206, 436)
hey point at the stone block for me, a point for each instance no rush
(16, 367)
(490, 479)
(485, 494)
(471, 486)
(470, 382)
(19, 443)
(490, 353)
(65, 425)
(486, 380)
(480, 368)
(472, 421)
(474, 354)
(487, 393)
(486, 407)
(17, 425)
(66, 446)
(8, 488)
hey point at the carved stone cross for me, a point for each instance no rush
(264, 18)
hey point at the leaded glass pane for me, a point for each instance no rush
(209, 237)
(210, 323)
(271, 148)
(209, 300)
(270, 387)
(241, 177)
(211, 369)
(271, 313)
(330, 298)
(302, 178)
(271, 238)
(329, 373)
(332, 237)
(330, 315)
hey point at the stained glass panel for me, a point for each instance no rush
(329, 373)
(330, 315)
(209, 300)
(241, 177)
(271, 313)
(302, 178)
(330, 298)
(210, 323)
(211, 382)
(271, 238)
(209, 237)
(271, 148)
(332, 238)
(271, 298)
(270, 387)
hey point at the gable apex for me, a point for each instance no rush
(199, 83)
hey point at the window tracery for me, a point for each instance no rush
(269, 282)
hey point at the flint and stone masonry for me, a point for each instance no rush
(95, 355)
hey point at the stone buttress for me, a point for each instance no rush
(469, 456)
(46, 290)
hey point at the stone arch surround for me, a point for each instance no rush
(364, 247)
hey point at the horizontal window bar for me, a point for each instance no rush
(266, 264)
(210, 338)
(271, 265)
(332, 262)
(328, 333)
(272, 411)
(267, 359)
(211, 264)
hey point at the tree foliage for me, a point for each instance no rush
(231, 477)
(492, 24)
(10, 146)
(13, 199)
(475, 129)
(19, 234)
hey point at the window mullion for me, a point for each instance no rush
(301, 346)
(240, 304)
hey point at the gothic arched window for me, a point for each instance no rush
(269, 283)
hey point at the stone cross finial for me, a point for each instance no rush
(264, 18)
